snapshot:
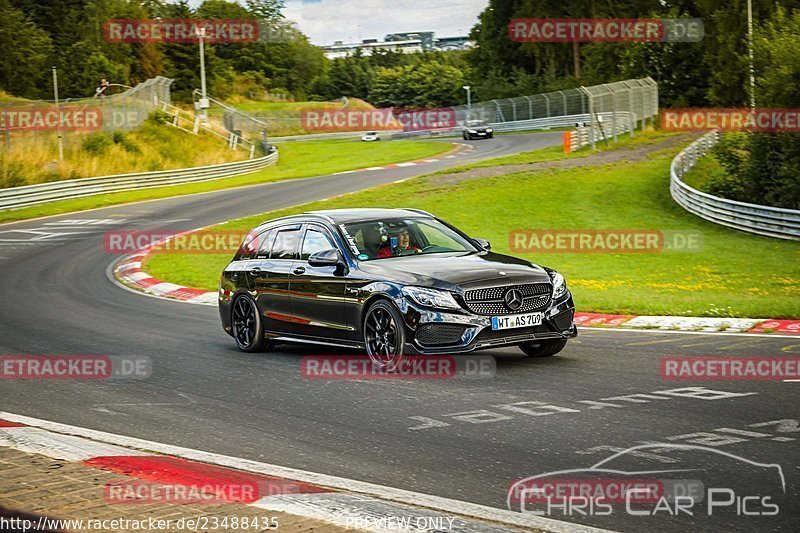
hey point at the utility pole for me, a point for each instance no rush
(203, 104)
(468, 88)
(58, 111)
(750, 46)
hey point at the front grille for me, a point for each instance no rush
(439, 334)
(490, 301)
(489, 334)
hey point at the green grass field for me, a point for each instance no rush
(705, 170)
(297, 160)
(734, 274)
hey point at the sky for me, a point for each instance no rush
(326, 21)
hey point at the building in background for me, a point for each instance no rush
(425, 37)
(452, 43)
(408, 43)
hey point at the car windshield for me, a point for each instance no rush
(476, 123)
(392, 237)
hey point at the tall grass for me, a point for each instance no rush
(33, 157)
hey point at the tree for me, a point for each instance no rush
(24, 52)
(269, 10)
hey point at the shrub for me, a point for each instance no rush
(120, 138)
(96, 143)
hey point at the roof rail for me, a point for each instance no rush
(420, 211)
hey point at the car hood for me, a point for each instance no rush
(457, 271)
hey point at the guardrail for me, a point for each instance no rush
(625, 122)
(327, 136)
(753, 218)
(28, 195)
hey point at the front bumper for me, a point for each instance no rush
(430, 331)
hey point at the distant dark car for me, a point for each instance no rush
(391, 282)
(477, 129)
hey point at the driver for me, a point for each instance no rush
(403, 247)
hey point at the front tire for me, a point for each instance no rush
(248, 331)
(543, 348)
(384, 335)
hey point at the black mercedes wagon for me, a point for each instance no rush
(391, 282)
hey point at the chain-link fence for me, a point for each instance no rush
(607, 110)
(26, 124)
(235, 121)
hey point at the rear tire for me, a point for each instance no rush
(543, 348)
(246, 326)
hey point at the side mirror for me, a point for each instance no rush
(324, 258)
(483, 243)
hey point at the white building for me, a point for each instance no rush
(341, 49)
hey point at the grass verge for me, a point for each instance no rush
(734, 274)
(297, 160)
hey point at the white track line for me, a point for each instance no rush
(445, 505)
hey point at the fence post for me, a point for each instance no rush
(530, 107)
(498, 111)
(591, 115)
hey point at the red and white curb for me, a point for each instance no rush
(344, 502)
(129, 271)
(460, 150)
(689, 323)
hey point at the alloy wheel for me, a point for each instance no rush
(244, 322)
(382, 338)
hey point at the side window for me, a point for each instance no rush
(264, 242)
(315, 241)
(286, 244)
(249, 247)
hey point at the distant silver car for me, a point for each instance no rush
(371, 136)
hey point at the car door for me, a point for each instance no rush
(317, 293)
(270, 274)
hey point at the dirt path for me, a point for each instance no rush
(626, 154)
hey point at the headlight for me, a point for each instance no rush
(431, 297)
(559, 285)
(473, 131)
(488, 130)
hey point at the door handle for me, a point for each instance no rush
(299, 270)
(255, 271)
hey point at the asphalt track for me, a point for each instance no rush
(461, 439)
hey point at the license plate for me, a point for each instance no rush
(516, 321)
(481, 133)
